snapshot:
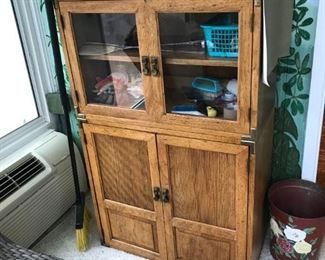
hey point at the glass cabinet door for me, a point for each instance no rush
(206, 60)
(172, 62)
(104, 52)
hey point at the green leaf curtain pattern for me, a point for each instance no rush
(292, 92)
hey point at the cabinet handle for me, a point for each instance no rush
(156, 193)
(154, 66)
(164, 195)
(145, 65)
(160, 194)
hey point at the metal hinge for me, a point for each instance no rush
(161, 194)
(250, 140)
(252, 22)
(81, 118)
(258, 3)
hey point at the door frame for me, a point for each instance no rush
(316, 103)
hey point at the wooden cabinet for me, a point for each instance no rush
(176, 125)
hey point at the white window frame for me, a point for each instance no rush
(316, 102)
(33, 37)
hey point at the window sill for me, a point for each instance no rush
(23, 136)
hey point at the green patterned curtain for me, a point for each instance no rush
(292, 92)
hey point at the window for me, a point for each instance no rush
(27, 74)
(17, 103)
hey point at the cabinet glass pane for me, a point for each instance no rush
(200, 65)
(108, 52)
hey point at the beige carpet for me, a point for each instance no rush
(60, 242)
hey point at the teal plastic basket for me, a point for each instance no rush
(222, 41)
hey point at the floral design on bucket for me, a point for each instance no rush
(302, 247)
(291, 241)
(275, 228)
(284, 244)
(294, 234)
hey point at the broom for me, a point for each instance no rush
(82, 215)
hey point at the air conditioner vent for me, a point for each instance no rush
(7, 187)
(17, 177)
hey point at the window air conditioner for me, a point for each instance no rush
(36, 187)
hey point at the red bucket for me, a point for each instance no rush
(297, 219)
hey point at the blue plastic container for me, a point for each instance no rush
(208, 87)
(207, 84)
(222, 41)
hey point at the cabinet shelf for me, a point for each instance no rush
(171, 58)
(127, 56)
(198, 60)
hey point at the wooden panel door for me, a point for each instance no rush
(206, 216)
(125, 169)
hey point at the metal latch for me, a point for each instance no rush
(165, 195)
(81, 118)
(154, 66)
(156, 193)
(250, 140)
(145, 65)
(160, 194)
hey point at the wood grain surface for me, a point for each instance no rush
(208, 184)
(132, 231)
(203, 186)
(125, 172)
(124, 168)
(191, 246)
